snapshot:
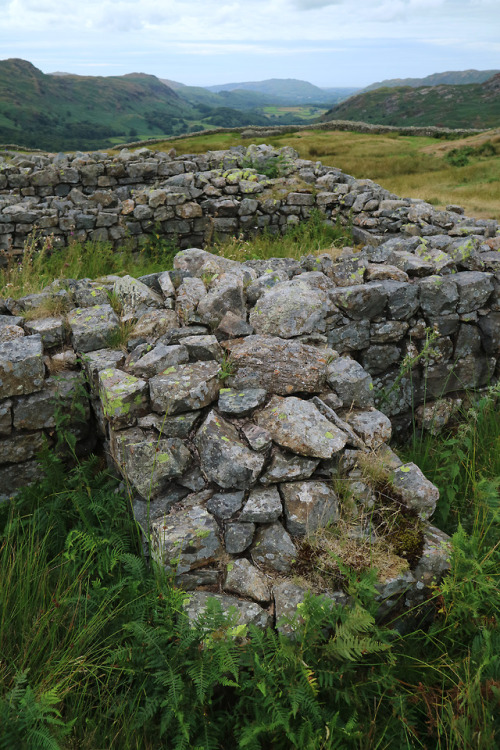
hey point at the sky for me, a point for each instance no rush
(206, 42)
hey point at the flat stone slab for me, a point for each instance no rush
(273, 548)
(186, 539)
(289, 309)
(21, 366)
(185, 387)
(180, 425)
(239, 403)
(263, 506)
(148, 462)
(308, 506)
(277, 365)
(298, 425)
(416, 491)
(159, 359)
(245, 579)
(91, 327)
(223, 456)
(243, 612)
(285, 468)
(52, 331)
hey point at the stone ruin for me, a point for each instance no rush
(247, 406)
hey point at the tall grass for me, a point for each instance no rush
(95, 650)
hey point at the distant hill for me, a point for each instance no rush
(474, 105)
(282, 90)
(450, 77)
(70, 111)
(62, 111)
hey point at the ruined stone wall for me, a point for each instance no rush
(192, 199)
(231, 397)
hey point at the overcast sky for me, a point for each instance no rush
(203, 42)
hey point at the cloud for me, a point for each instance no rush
(315, 4)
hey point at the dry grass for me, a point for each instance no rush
(408, 166)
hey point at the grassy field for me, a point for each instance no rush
(406, 165)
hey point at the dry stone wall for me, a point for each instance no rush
(193, 198)
(245, 396)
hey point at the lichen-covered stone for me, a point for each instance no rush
(238, 537)
(179, 425)
(158, 359)
(435, 560)
(289, 309)
(263, 506)
(298, 425)
(373, 427)
(189, 295)
(185, 539)
(416, 491)
(244, 579)
(226, 296)
(21, 366)
(273, 548)
(5, 417)
(287, 467)
(152, 324)
(277, 365)
(185, 387)
(474, 288)
(202, 348)
(223, 456)
(52, 330)
(133, 294)
(352, 384)
(92, 327)
(308, 506)
(224, 505)
(360, 302)
(124, 397)
(148, 462)
(238, 402)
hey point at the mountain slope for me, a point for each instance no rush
(450, 77)
(64, 111)
(469, 106)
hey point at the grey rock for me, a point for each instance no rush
(263, 506)
(373, 427)
(298, 425)
(350, 381)
(435, 560)
(378, 358)
(16, 476)
(101, 359)
(149, 463)
(224, 458)
(52, 331)
(21, 366)
(20, 447)
(360, 302)
(257, 438)
(179, 425)
(151, 325)
(133, 294)
(123, 397)
(91, 327)
(474, 288)
(195, 578)
(273, 548)
(416, 491)
(238, 537)
(308, 506)
(389, 330)
(285, 468)
(64, 393)
(186, 539)
(290, 308)
(275, 364)
(158, 359)
(438, 296)
(5, 417)
(202, 348)
(185, 387)
(240, 402)
(193, 479)
(224, 505)
(232, 326)
(244, 579)
(349, 337)
(489, 326)
(226, 296)
(189, 295)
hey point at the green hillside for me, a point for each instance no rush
(469, 106)
(61, 111)
(450, 77)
